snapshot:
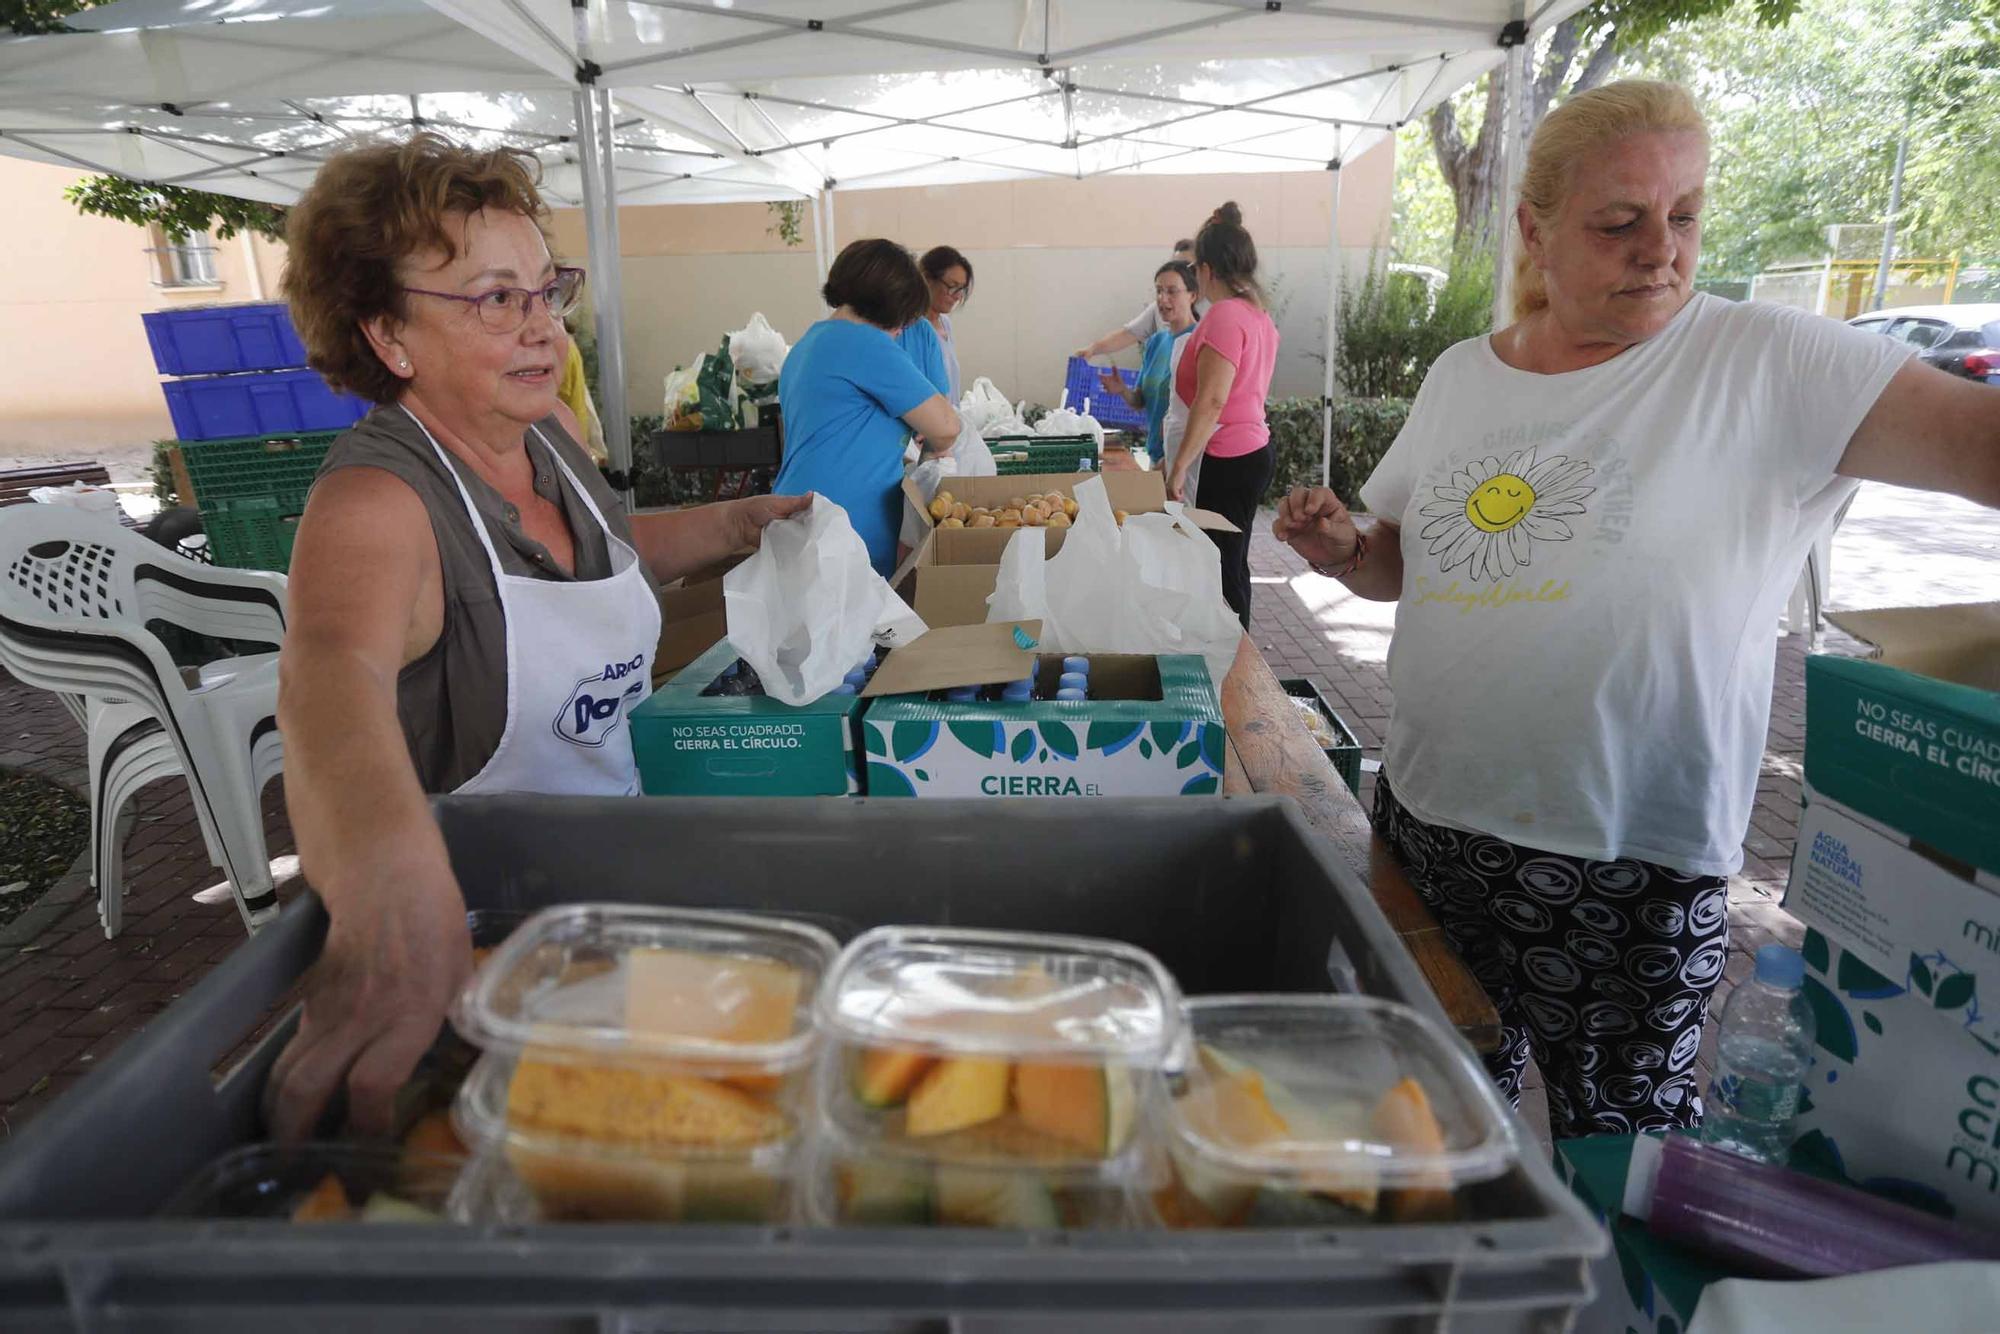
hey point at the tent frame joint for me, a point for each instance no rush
(1514, 34)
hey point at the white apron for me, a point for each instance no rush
(579, 658)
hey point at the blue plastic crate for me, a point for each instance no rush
(1112, 411)
(216, 340)
(225, 407)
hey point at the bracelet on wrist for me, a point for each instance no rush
(1353, 562)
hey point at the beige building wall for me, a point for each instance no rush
(1057, 263)
(76, 374)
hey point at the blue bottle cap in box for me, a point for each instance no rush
(1075, 680)
(1781, 966)
(1074, 663)
(843, 689)
(1070, 692)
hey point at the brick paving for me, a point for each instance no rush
(68, 997)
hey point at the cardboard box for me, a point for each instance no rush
(1897, 877)
(1151, 728)
(691, 621)
(1910, 739)
(948, 579)
(690, 744)
(1904, 1094)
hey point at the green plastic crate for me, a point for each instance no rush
(1346, 756)
(1045, 454)
(254, 466)
(254, 534)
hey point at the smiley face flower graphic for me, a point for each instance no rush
(1489, 514)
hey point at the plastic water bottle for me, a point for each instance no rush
(1763, 1052)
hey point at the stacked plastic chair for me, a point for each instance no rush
(77, 595)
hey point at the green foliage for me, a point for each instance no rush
(1363, 430)
(1632, 23)
(30, 17)
(583, 332)
(1422, 211)
(653, 485)
(180, 213)
(1805, 121)
(787, 220)
(165, 489)
(1391, 330)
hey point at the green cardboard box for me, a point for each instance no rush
(1911, 738)
(690, 744)
(1151, 728)
(1644, 1285)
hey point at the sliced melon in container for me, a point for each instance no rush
(614, 1104)
(1088, 1107)
(957, 1093)
(883, 1192)
(973, 1197)
(884, 1076)
(1404, 1121)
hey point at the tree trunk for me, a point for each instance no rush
(1473, 170)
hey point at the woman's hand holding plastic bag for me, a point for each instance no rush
(807, 606)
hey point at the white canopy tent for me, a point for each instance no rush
(714, 100)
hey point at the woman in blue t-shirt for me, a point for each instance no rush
(852, 397)
(1173, 299)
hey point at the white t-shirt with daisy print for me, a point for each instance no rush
(1593, 568)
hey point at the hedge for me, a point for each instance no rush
(1363, 430)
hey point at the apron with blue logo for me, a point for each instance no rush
(579, 659)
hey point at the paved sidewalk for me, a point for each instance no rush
(1897, 548)
(68, 997)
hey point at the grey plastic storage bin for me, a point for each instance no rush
(1232, 895)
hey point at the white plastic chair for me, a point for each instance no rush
(76, 599)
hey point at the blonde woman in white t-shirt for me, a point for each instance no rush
(1590, 523)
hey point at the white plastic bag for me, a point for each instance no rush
(1068, 421)
(806, 607)
(682, 394)
(758, 350)
(94, 499)
(985, 409)
(1153, 586)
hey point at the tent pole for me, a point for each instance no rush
(832, 243)
(1332, 326)
(601, 224)
(1504, 189)
(819, 244)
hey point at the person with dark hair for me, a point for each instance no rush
(851, 396)
(949, 275)
(1173, 296)
(463, 582)
(1225, 378)
(1135, 331)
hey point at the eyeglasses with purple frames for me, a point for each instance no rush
(502, 310)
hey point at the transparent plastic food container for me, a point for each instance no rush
(645, 1063)
(872, 1184)
(621, 1142)
(319, 1182)
(996, 1048)
(1324, 1111)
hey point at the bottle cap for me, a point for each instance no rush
(1070, 692)
(1781, 966)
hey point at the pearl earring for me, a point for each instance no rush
(403, 365)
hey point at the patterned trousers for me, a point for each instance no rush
(1601, 970)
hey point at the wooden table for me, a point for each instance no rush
(1271, 751)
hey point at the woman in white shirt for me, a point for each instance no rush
(1590, 523)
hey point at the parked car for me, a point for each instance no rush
(1964, 340)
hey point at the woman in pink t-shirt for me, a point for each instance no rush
(1224, 378)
